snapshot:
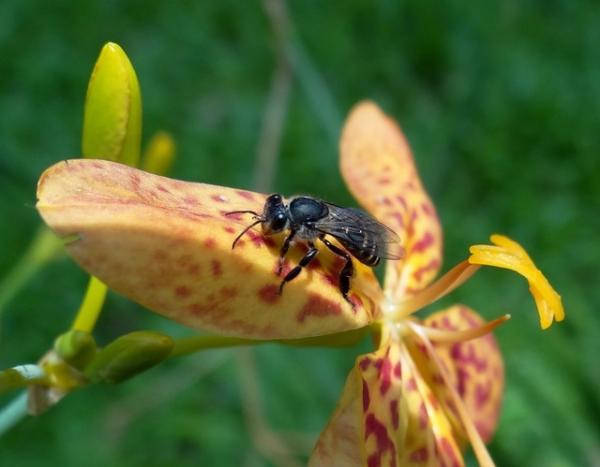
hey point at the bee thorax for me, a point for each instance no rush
(306, 233)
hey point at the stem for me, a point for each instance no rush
(447, 336)
(193, 344)
(276, 108)
(457, 276)
(43, 248)
(21, 375)
(13, 413)
(268, 443)
(91, 306)
(188, 345)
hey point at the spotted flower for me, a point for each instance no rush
(427, 390)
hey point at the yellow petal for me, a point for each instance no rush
(475, 368)
(166, 244)
(508, 254)
(379, 169)
(387, 416)
(112, 121)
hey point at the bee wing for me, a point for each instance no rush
(351, 226)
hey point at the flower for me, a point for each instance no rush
(430, 386)
(427, 389)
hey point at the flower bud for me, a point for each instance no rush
(129, 355)
(112, 121)
(77, 348)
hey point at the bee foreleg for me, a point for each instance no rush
(308, 257)
(347, 271)
(284, 249)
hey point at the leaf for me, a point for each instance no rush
(379, 169)
(166, 244)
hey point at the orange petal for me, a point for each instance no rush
(387, 416)
(166, 244)
(475, 369)
(379, 169)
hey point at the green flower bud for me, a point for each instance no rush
(159, 153)
(77, 348)
(129, 355)
(112, 121)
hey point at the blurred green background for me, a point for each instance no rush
(501, 104)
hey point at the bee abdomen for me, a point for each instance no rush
(367, 255)
(370, 259)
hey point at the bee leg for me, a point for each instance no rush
(308, 257)
(284, 249)
(347, 271)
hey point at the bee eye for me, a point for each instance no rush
(278, 222)
(274, 199)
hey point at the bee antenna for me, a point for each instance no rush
(260, 219)
(242, 212)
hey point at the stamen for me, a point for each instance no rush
(508, 254)
(440, 424)
(457, 276)
(480, 450)
(448, 337)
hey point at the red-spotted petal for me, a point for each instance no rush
(167, 245)
(387, 416)
(379, 169)
(475, 369)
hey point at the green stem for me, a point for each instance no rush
(42, 249)
(91, 306)
(193, 344)
(13, 413)
(21, 375)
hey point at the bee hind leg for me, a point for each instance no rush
(347, 271)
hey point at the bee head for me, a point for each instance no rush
(274, 216)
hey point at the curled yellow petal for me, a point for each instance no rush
(508, 254)
(112, 121)
(166, 244)
(379, 169)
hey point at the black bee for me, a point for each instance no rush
(308, 219)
